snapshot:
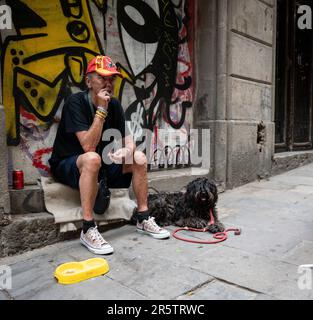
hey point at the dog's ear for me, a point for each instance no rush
(189, 196)
(214, 190)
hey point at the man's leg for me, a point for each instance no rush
(88, 165)
(139, 180)
(145, 224)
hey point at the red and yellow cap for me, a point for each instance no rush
(104, 66)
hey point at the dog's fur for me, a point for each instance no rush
(189, 209)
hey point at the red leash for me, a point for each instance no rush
(220, 236)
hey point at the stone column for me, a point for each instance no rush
(250, 90)
(211, 70)
(4, 188)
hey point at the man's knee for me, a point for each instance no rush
(140, 159)
(90, 161)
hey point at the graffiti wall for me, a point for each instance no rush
(43, 60)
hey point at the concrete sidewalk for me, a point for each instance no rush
(276, 217)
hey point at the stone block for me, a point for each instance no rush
(250, 59)
(286, 161)
(249, 100)
(27, 232)
(242, 153)
(248, 160)
(252, 18)
(28, 200)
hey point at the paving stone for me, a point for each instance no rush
(261, 264)
(294, 179)
(157, 278)
(4, 296)
(140, 262)
(217, 290)
(259, 273)
(33, 275)
(301, 254)
(99, 288)
(264, 297)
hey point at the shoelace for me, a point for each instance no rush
(151, 223)
(96, 236)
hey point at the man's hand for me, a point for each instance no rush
(120, 155)
(103, 98)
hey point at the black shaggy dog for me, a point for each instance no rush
(189, 209)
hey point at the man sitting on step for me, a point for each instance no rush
(76, 159)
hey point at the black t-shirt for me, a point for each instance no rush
(77, 116)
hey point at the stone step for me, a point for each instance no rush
(26, 232)
(31, 198)
(28, 200)
(286, 161)
(29, 226)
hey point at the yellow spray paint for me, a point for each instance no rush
(39, 61)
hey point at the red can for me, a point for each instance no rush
(18, 179)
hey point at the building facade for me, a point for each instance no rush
(188, 64)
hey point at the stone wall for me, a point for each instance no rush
(250, 89)
(221, 73)
(44, 59)
(235, 86)
(4, 193)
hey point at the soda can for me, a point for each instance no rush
(18, 179)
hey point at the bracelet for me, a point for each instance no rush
(104, 115)
(99, 115)
(102, 110)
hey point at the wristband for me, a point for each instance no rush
(99, 115)
(102, 113)
(102, 110)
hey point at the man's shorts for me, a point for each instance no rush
(67, 173)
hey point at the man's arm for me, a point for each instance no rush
(126, 153)
(129, 143)
(91, 138)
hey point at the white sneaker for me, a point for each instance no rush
(94, 242)
(150, 228)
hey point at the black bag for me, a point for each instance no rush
(103, 197)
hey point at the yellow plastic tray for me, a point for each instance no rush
(74, 272)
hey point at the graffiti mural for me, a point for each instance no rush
(51, 47)
(163, 85)
(54, 41)
(44, 59)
